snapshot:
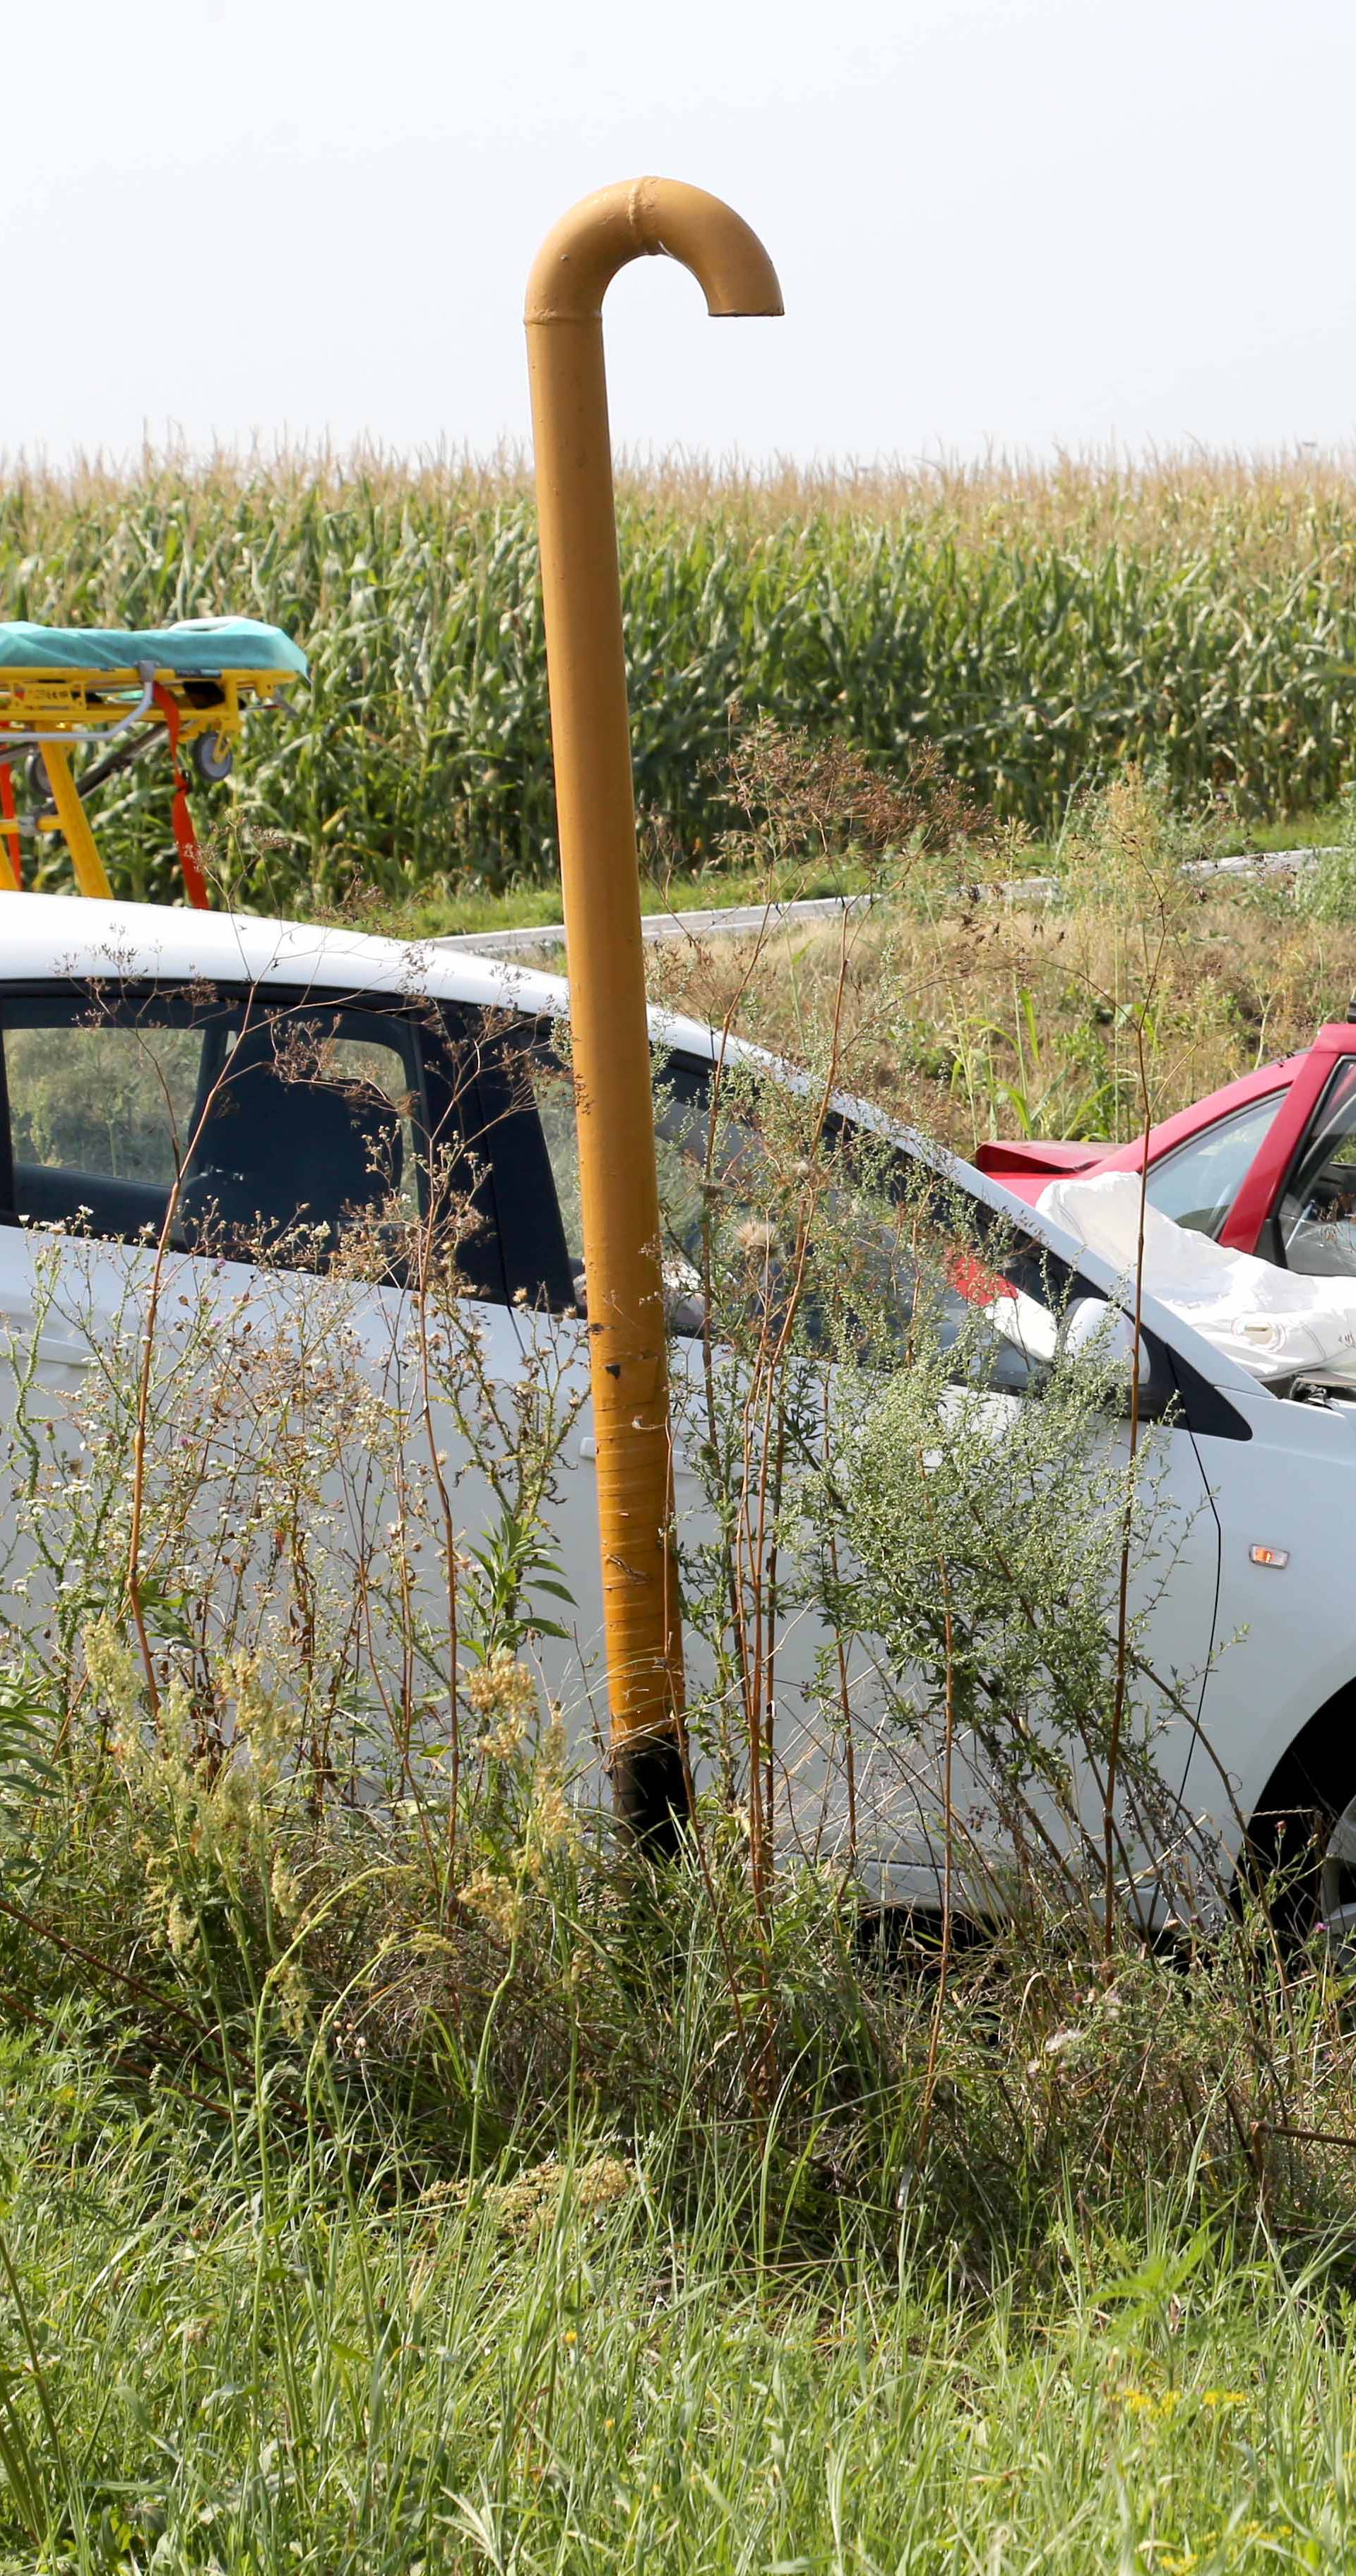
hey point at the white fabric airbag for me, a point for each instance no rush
(1271, 1321)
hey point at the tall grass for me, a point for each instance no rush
(980, 1021)
(272, 2372)
(1039, 630)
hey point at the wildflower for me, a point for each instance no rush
(756, 1238)
(293, 1997)
(181, 1931)
(502, 1687)
(552, 1825)
(602, 2179)
(282, 1886)
(504, 1740)
(496, 1902)
(113, 1676)
(260, 1725)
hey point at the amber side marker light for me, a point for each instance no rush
(1277, 1556)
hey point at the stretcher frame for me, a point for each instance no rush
(51, 710)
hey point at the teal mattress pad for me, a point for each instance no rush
(200, 648)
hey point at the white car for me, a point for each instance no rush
(129, 1030)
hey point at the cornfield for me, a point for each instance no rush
(1038, 630)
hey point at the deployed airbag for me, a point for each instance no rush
(1271, 1321)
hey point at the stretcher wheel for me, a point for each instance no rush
(213, 757)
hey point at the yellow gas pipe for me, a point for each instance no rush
(600, 894)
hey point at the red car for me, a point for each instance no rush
(1267, 1165)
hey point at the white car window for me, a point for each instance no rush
(976, 1265)
(276, 1131)
(1197, 1184)
(106, 1101)
(734, 1201)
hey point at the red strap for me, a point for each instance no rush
(10, 840)
(186, 839)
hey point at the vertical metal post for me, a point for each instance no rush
(600, 893)
(79, 839)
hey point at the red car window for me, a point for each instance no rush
(1316, 1216)
(1196, 1185)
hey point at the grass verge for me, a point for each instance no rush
(232, 2364)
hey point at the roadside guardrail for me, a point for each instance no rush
(733, 921)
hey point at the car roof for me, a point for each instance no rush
(62, 936)
(83, 940)
(80, 939)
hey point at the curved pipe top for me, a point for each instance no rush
(638, 218)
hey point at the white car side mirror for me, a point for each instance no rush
(1107, 1334)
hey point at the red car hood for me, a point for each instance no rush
(1025, 1168)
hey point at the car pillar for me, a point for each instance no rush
(600, 894)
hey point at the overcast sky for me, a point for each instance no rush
(1021, 224)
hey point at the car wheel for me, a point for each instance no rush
(1301, 1852)
(1337, 1889)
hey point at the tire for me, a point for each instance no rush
(1300, 1859)
(212, 757)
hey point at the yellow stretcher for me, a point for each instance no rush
(116, 692)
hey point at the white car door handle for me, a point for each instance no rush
(19, 1332)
